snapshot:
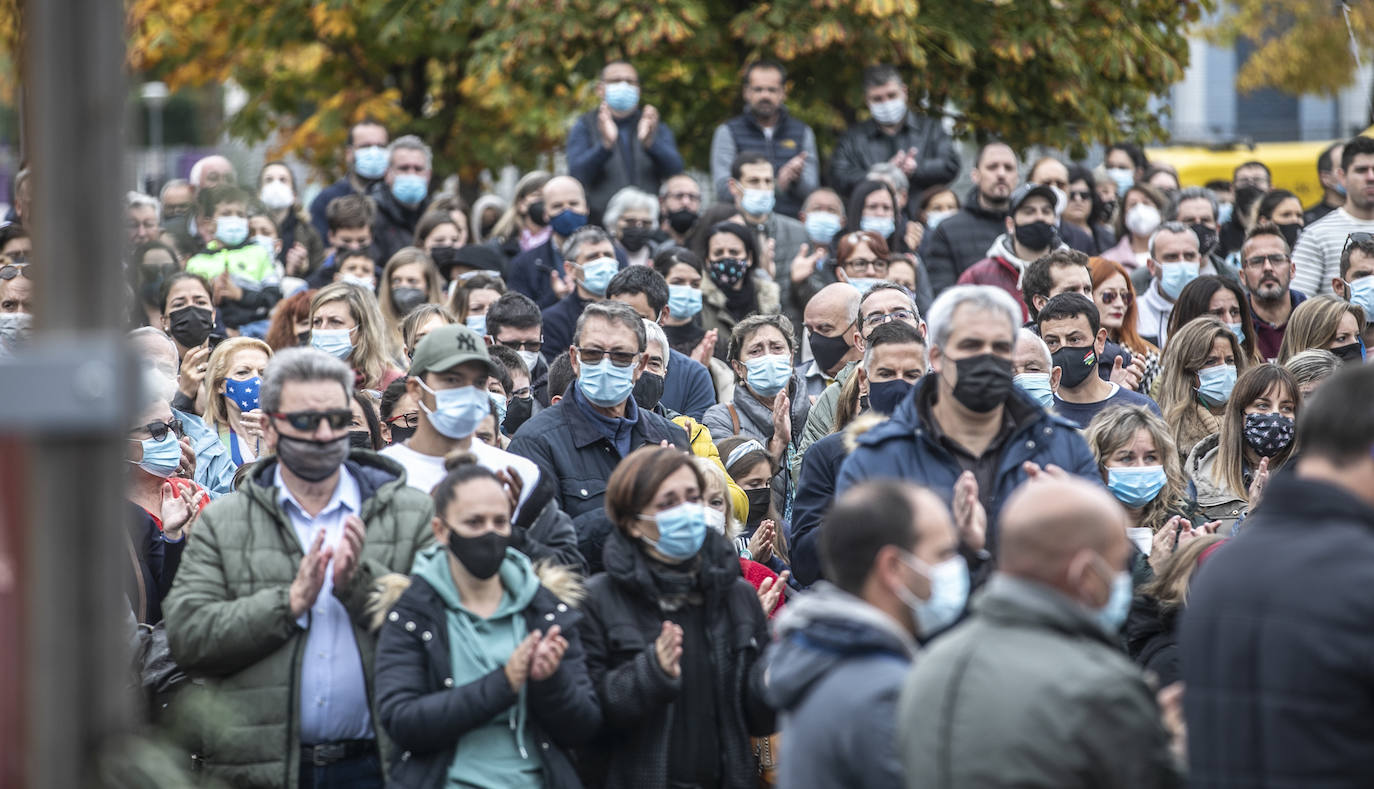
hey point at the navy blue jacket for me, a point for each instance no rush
(560, 323)
(790, 137)
(904, 448)
(820, 468)
(529, 271)
(603, 171)
(687, 389)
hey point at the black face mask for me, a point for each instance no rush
(648, 390)
(310, 460)
(151, 277)
(190, 325)
(635, 238)
(536, 213)
(401, 434)
(1246, 197)
(760, 499)
(360, 439)
(406, 299)
(518, 411)
(445, 258)
(1352, 353)
(682, 220)
(481, 555)
(1076, 362)
(1035, 235)
(1290, 233)
(303, 339)
(984, 382)
(828, 350)
(1206, 240)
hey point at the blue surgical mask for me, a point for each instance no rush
(231, 230)
(882, 225)
(1036, 385)
(243, 394)
(567, 222)
(768, 375)
(161, 458)
(948, 593)
(335, 342)
(458, 411)
(1362, 295)
(1215, 384)
(621, 96)
(500, 402)
(684, 301)
(758, 202)
(1224, 211)
(681, 531)
(1123, 177)
(864, 283)
(371, 162)
(606, 385)
(597, 274)
(410, 189)
(1136, 486)
(477, 323)
(1112, 615)
(1237, 329)
(934, 218)
(1173, 277)
(888, 112)
(821, 226)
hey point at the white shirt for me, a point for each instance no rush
(1317, 256)
(423, 472)
(333, 689)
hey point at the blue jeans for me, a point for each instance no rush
(359, 772)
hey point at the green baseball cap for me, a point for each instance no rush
(447, 347)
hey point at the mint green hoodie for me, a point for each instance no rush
(495, 754)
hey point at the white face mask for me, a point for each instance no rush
(715, 520)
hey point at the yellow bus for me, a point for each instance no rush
(1292, 164)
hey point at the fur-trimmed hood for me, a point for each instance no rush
(564, 582)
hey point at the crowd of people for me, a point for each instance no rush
(796, 475)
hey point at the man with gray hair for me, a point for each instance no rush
(211, 171)
(580, 439)
(967, 431)
(1195, 207)
(539, 272)
(269, 606)
(141, 213)
(1174, 261)
(401, 195)
(589, 257)
(632, 216)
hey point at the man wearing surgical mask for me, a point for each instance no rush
(365, 159)
(401, 195)
(1195, 208)
(589, 257)
(1173, 263)
(540, 271)
(448, 379)
(779, 238)
(620, 143)
(579, 440)
(891, 555)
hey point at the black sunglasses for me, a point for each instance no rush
(158, 430)
(523, 345)
(595, 355)
(309, 421)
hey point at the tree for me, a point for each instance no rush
(490, 81)
(1304, 45)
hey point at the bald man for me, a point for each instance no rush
(1033, 689)
(830, 319)
(538, 272)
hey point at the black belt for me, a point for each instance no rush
(327, 753)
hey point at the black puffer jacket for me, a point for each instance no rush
(623, 620)
(1152, 639)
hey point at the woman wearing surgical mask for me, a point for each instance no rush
(1085, 210)
(298, 247)
(873, 207)
(345, 322)
(1328, 323)
(935, 205)
(1142, 211)
(1139, 465)
(721, 504)
(673, 636)
(472, 297)
(1222, 299)
(734, 285)
(290, 327)
(364, 429)
(1258, 435)
(154, 262)
(481, 674)
(861, 259)
(1199, 371)
(523, 226)
(408, 281)
(232, 385)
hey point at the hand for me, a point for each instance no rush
(1050, 472)
(1171, 714)
(706, 348)
(770, 592)
(309, 576)
(668, 649)
(1189, 533)
(548, 654)
(804, 264)
(178, 509)
(561, 287)
(297, 260)
(915, 231)
(349, 551)
(224, 288)
(970, 518)
(1257, 484)
(605, 124)
(791, 171)
(648, 126)
(513, 485)
(187, 469)
(518, 665)
(761, 543)
(192, 373)
(1162, 544)
(782, 427)
(909, 161)
(1128, 377)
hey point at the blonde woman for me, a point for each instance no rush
(409, 280)
(1328, 323)
(231, 408)
(1197, 374)
(346, 322)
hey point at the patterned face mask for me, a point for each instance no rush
(1268, 434)
(727, 272)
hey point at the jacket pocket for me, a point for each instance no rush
(580, 495)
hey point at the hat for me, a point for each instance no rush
(447, 347)
(1026, 191)
(480, 256)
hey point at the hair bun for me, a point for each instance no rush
(456, 460)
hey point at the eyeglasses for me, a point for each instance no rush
(406, 420)
(618, 358)
(1110, 297)
(859, 265)
(11, 270)
(158, 430)
(879, 318)
(1080, 194)
(1258, 261)
(309, 421)
(523, 345)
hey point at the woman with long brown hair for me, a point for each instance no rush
(1197, 375)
